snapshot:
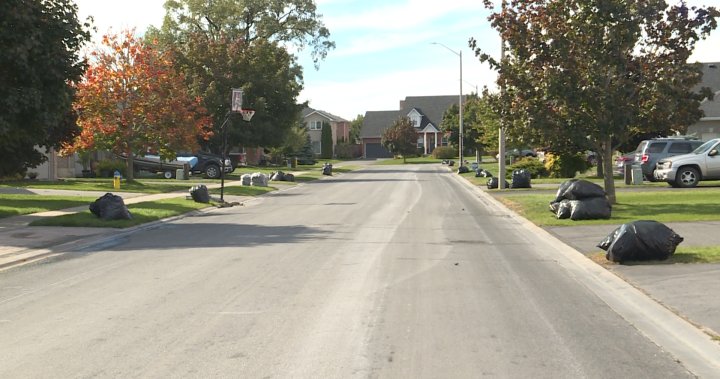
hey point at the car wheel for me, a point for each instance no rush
(212, 171)
(687, 177)
(673, 184)
(168, 175)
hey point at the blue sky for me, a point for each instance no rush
(384, 48)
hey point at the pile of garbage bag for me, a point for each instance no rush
(258, 180)
(493, 183)
(282, 177)
(327, 169)
(580, 200)
(110, 207)
(200, 193)
(481, 172)
(640, 241)
(521, 179)
(463, 169)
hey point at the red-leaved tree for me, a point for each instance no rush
(132, 102)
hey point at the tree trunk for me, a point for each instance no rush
(129, 175)
(600, 167)
(606, 152)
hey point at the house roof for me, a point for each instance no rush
(329, 116)
(431, 108)
(375, 122)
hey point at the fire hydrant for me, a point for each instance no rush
(116, 180)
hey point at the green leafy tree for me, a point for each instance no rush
(40, 43)
(480, 124)
(326, 142)
(400, 138)
(581, 74)
(356, 128)
(227, 44)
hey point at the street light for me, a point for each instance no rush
(460, 101)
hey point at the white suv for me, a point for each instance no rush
(689, 169)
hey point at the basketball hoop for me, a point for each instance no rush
(247, 114)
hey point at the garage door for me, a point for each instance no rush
(376, 150)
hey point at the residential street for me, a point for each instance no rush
(390, 272)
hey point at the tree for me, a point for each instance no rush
(326, 142)
(41, 42)
(132, 101)
(228, 44)
(400, 138)
(584, 74)
(480, 123)
(356, 128)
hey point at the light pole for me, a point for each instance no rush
(460, 100)
(501, 134)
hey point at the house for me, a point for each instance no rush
(314, 120)
(426, 113)
(708, 127)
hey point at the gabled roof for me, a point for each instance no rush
(431, 107)
(375, 122)
(329, 116)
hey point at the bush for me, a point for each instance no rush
(444, 152)
(535, 167)
(107, 167)
(565, 166)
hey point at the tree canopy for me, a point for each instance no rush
(133, 102)
(40, 43)
(480, 123)
(581, 74)
(228, 44)
(400, 138)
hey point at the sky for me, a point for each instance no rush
(385, 49)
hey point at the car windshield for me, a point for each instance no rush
(705, 147)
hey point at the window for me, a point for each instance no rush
(656, 147)
(680, 147)
(315, 125)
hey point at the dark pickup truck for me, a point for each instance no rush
(200, 163)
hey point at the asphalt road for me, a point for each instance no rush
(391, 272)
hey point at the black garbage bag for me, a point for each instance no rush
(493, 183)
(289, 178)
(200, 193)
(640, 241)
(451, 163)
(575, 189)
(278, 176)
(463, 169)
(592, 208)
(110, 207)
(481, 172)
(521, 179)
(327, 169)
(562, 209)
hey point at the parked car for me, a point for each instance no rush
(689, 169)
(621, 161)
(649, 152)
(208, 164)
(518, 153)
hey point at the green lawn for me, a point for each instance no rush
(683, 254)
(670, 206)
(141, 212)
(15, 205)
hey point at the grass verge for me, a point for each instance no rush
(142, 213)
(683, 254)
(671, 206)
(15, 205)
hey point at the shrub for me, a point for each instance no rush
(565, 166)
(535, 167)
(107, 167)
(444, 152)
